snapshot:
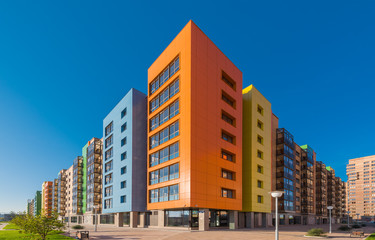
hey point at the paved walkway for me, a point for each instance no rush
(3, 225)
(293, 232)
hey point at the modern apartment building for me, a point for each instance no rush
(360, 188)
(92, 200)
(256, 162)
(37, 203)
(69, 174)
(321, 190)
(77, 195)
(47, 198)
(55, 194)
(30, 206)
(124, 164)
(61, 193)
(194, 135)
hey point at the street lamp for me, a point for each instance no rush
(348, 212)
(330, 220)
(96, 216)
(276, 195)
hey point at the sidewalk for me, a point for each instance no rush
(3, 225)
(291, 232)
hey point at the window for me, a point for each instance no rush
(108, 154)
(164, 135)
(173, 192)
(164, 194)
(259, 169)
(108, 179)
(162, 97)
(260, 109)
(123, 170)
(123, 141)
(123, 127)
(260, 124)
(227, 155)
(260, 199)
(260, 184)
(108, 203)
(109, 141)
(123, 199)
(228, 118)
(164, 174)
(123, 113)
(229, 81)
(108, 191)
(228, 99)
(260, 154)
(108, 129)
(260, 139)
(164, 154)
(108, 166)
(227, 137)
(227, 174)
(172, 68)
(227, 193)
(123, 184)
(123, 156)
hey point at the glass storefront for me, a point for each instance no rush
(107, 219)
(218, 218)
(126, 218)
(177, 218)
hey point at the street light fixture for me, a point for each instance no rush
(96, 216)
(330, 216)
(276, 195)
(348, 212)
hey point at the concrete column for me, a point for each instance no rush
(160, 218)
(142, 219)
(241, 220)
(233, 219)
(204, 220)
(119, 220)
(133, 219)
(286, 219)
(269, 220)
(252, 219)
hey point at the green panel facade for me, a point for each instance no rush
(37, 203)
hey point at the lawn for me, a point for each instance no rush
(371, 237)
(11, 226)
(14, 234)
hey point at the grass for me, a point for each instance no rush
(371, 237)
(14, 234)
(11, 226)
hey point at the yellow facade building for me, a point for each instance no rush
(256, 169)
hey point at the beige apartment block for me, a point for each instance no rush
(361, 187)
(69, 191)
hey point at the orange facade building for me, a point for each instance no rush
(47, 198)
(194, 135)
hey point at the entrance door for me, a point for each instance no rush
(194, 219)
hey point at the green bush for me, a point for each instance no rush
(315, 232)
(344, 228)
(78, 227)
(356, 226)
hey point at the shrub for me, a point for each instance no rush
(78, 227)
(344, 228)
(315, 232)
(356, 226)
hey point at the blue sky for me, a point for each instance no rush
(65, 64)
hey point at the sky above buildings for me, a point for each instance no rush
(65, 64)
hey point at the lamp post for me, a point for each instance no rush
(330, 218)
(276, 195)
(96, 217)
(348, 212)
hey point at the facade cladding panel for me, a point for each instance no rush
(201, 66)
(128, 134)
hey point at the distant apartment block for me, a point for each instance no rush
(47, 198)
(360, 192)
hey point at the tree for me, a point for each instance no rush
(39, 226)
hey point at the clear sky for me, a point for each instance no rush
(65, 64)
